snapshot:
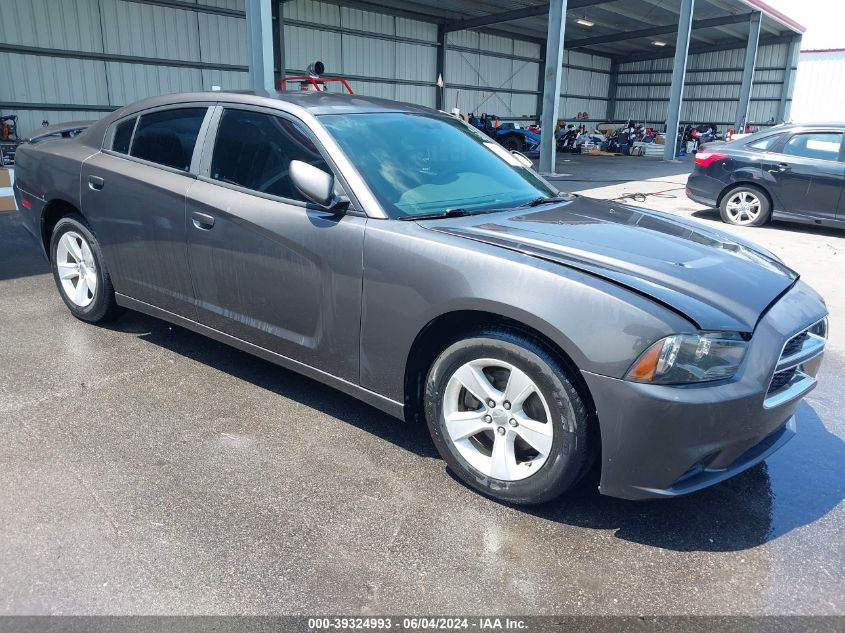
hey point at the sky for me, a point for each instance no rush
(823, 19)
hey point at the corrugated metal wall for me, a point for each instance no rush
(711, 90)
(382, 55)
(820, 87)
(486, 73)
(587, 82)
(82, 58)
(65, 60)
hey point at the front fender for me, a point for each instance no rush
(413, 275)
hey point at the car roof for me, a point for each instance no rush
(811, 124)
(297, 102)
(317, 103)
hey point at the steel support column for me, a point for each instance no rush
(610, 114)
(679, 72)
(552, 79)
(788, 79)
(278, 44)
(259, 44)
(748, 70)
(440, 71)
(541, 81)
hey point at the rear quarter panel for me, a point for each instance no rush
(48, 171)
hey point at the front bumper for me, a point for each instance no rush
(665, 441)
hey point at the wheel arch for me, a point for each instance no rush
(449, 327)
(53, 211)
(756, 184)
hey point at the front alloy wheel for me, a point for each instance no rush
(506, 417)
(498, 419)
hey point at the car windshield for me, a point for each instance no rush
(420, 165)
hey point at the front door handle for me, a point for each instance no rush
(95, 182)
(202, 221)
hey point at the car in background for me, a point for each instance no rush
(788, 172)
(434, 275)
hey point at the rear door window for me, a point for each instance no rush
(818, 145)
(765, 144)
(168, 137)
(254, 150)
(123, 135)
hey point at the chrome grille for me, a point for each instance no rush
(789, 380)
(780, 379)
(794, 344)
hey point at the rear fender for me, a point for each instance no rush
(751, 175)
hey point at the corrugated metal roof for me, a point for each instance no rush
(617, 24)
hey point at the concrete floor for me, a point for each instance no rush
(145, 469)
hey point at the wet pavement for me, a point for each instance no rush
(146, 469)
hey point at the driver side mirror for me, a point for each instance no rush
(316, 185)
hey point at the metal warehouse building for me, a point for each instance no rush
(622, 59)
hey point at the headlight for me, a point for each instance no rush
(688, 358)
(820, 328)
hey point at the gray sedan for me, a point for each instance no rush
(394, 253)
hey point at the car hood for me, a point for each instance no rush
(717, 281)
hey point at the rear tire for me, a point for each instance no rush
(533, 444)
(513, 143)
(745, 205)
(80, 271)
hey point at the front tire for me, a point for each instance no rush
(745, 205)
(80, 272)
(506, 418)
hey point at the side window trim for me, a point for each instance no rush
(204, 165)
(195, 157)
(775, 141)
(212, 116)
(108, 141)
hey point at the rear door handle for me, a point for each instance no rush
(95, 182)
(780, 168)
(202, 221)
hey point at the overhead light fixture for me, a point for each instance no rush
(659, 43)
(584, 22)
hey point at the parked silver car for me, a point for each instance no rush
(396, 254)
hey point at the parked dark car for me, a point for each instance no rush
(403, 257)
(788, 172)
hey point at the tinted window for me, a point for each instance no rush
(417, 165)
(167, 137)
(819, 145)
(765, 144)
(254, 150)
(123, 136)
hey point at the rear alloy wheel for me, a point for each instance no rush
(79, 271)
(745, 206)
(506, 419)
